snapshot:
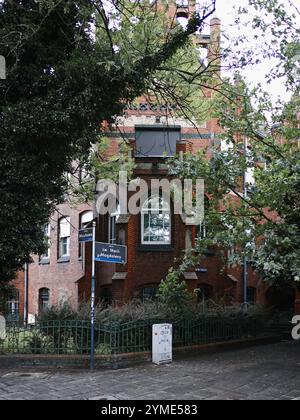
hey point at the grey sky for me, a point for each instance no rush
(254, 74)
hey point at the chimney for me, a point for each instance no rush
(214, 47)
(185, 8)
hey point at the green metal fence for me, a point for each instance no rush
(74, 337)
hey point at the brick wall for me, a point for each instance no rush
(60, 278)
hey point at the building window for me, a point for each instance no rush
(84, 220)
(251, 295)
(205, 292)
(44, 300)
(106, 296)
(47, 235)
(158, 142)
(202, 230)
(148, 293)
(64, 237)
(156, 222)
(13, 306)
(112, 225)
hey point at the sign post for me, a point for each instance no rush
(107, 253)
(93, 300)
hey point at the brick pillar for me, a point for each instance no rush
(297, 303)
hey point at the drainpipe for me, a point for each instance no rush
(245, 265)
(25, 315)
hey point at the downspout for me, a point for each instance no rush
(245, 265)
(25, 314)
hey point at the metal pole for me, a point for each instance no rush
(93, 300)
(245, 268)
(25, 294)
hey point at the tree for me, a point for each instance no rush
(62, 83)
(260, 139)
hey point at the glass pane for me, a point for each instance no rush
(86, 218)
(65, 247)
(64, 227)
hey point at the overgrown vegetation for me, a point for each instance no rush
(71, 66)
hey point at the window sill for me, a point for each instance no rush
(44, 261)
(63, 260)
(156, 248)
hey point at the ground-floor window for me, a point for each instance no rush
(106, 296)
(205, 292)
(44, 299)
(148, 293)
(13, 306)
(251, 295)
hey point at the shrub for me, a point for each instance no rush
(173, 293)
(58, 313)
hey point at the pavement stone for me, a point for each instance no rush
(263, 373)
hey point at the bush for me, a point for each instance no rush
(173, 293)
(58, 313)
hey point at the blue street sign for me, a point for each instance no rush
(109, 253)
(201, 270)
(85, 235)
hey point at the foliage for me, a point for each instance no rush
(259, 138)
(147, 311)
(62, 84)
(173, 292)
(58, 313)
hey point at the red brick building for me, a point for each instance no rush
(51, 279)
(64, 274)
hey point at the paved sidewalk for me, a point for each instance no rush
(259, 373)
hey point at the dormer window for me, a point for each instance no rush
(156, 142)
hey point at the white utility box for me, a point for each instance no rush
(162, 344)
(2, 328)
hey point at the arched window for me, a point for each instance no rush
(44, 299)
(156, 221)
(84, 219)
(64, 237)
(205, 292)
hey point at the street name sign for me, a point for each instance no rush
(109, 253)
(85, 235)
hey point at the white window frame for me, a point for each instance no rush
(66, 237)
(47, 232)
(85, 218)
(159, 210)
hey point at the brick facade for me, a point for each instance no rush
(146, 266)
(59, 277)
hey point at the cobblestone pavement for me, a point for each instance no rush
(259, 373)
